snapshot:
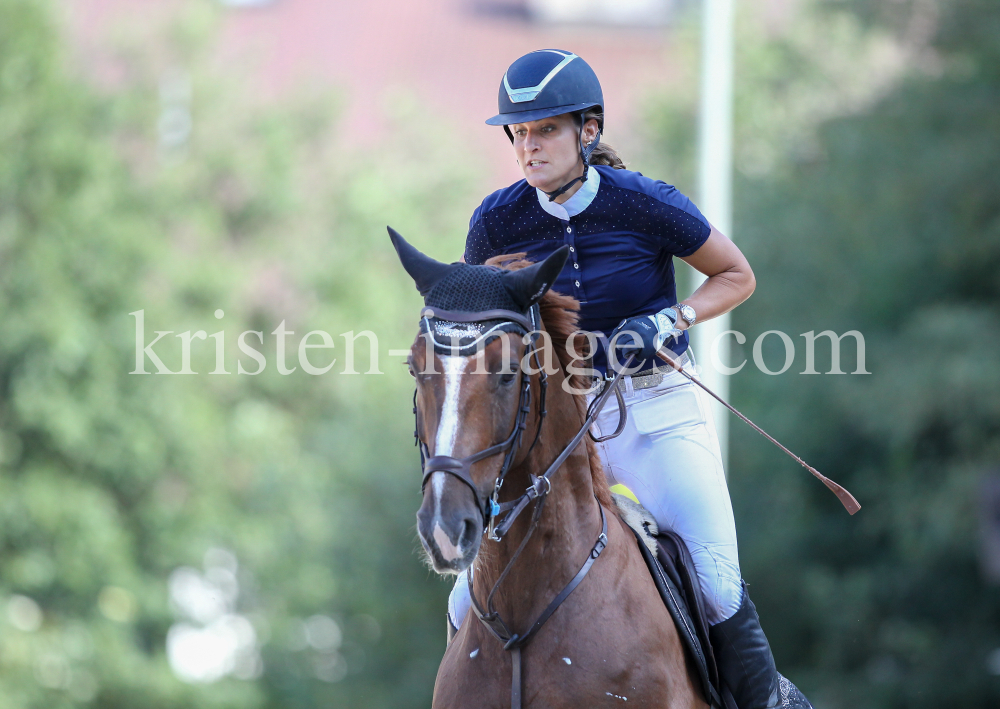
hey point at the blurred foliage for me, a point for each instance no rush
(867, 199)
(884, 219)
(172, 192)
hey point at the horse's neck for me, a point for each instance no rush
(565, 533)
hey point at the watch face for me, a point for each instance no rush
(687, 312)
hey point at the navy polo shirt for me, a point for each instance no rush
(623, 230)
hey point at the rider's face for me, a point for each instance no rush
(548, 151)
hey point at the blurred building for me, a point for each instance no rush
(446, 56)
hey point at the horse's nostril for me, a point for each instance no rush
(469, 531)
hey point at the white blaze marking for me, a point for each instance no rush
(567, 661)
(448, 427)
(449, 552)
(444, 444)
(474, 652)
(437, 487)
(624, 699)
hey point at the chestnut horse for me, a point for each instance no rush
(611, 642)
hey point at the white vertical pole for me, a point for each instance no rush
(715, 181)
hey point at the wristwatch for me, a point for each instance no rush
(687, 312)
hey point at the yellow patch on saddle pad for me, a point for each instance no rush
(638, 518)
(620, 489)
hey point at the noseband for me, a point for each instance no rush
(461, 467)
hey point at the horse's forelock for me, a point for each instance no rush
(560, 318)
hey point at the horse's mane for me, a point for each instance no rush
(560, 318)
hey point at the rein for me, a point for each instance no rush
(538, 491)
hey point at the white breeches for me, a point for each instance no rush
(669, 457)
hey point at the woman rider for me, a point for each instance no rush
(623, 231)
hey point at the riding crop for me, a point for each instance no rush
(846, 498)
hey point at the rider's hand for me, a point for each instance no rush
(644, 335)
(636, 336)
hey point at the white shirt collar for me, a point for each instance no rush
(580, 200)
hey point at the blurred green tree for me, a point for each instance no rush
(290, 498)
(888, 222)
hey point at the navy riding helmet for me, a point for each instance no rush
(550, 82)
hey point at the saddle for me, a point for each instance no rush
(673, 572)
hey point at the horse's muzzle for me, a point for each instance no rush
(449, 523)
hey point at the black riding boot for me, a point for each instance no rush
(746, 665)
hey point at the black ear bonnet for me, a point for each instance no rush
(463, 288)
(471, 289)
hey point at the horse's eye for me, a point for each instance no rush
(508, 378)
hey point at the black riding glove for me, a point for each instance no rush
(636, 336)
(644, 335)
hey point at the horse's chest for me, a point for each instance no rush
(478, 675)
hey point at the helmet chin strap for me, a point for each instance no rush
(585, 152)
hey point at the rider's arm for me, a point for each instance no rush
(730, 279)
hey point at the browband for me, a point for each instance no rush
(482, 316)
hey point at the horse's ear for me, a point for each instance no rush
(425, 271)
(528, 285)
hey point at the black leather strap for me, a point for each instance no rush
(596, 406)
(622, 418)
(514, 642)
(599, 546)
(461, 468)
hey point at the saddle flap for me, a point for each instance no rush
(673, 555)
(669, 578)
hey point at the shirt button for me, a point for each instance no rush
(569, 230)
(576, 266)
(572, 250)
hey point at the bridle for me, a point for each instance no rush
(461, 467)
(537, 491)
